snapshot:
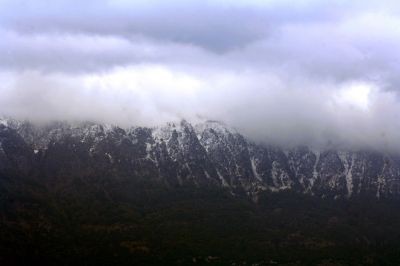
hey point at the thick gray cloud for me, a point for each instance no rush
(309, 72)
(215, 25)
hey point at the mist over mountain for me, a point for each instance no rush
(307, 73)
(243, 132)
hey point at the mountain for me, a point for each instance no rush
(206, 154)
(183, 194)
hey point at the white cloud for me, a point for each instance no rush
(309, 72)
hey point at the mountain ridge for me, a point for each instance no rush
(204, 154)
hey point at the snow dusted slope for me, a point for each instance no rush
(177, 154)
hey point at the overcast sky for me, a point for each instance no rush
(293, 72)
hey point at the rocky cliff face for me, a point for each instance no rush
(177, 154)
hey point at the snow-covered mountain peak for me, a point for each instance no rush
(210, 153)
(216, 126)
